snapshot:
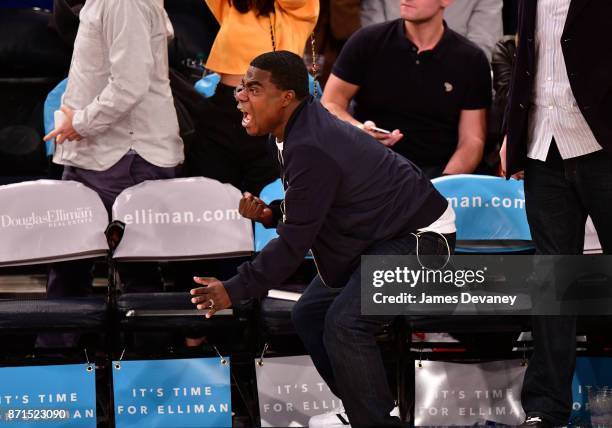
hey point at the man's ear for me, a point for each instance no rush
(288, 97)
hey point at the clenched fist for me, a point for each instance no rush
(255, 209)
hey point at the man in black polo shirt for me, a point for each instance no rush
(417, 78)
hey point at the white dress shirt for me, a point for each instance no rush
(554, 111)
(118, 86)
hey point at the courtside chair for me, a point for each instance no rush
(490, 213)
(184, 219)
(47, 221)
(176, 220)
(490, 219)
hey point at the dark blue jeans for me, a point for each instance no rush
(559, 195)
(342, 342)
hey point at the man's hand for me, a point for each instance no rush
(212, 296)
(64, 131)
(254, 208)
(388, 140)
(502, 156)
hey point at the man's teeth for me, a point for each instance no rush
(246, 118)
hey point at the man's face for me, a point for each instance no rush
(418, 11)
(261, 102)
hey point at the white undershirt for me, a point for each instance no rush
(444, 224)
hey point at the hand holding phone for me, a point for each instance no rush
(64, 131)
(379, 130)
(368, 125)
(388, 138)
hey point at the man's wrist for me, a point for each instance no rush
(267, 221)
(77, 122)
(235, 288)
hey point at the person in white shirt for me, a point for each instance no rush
(119, 124)
(559, 136)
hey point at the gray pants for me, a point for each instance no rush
(74, 278)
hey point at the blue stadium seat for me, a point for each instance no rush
(272, 192)
(490, 213)
(53, 103)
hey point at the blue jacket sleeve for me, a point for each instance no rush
(311, 191)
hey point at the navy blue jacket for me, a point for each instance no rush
(344, 192)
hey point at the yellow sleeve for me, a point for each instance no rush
(217, 7)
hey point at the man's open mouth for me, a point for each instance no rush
(246, 119)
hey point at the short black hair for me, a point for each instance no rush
(288, 71)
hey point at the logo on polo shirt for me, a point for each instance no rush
(448, 87)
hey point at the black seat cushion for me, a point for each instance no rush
(275, 314)
(78, 313)
(469, 323)
(170, 311)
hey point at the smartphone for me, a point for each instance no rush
(58, 117)
(380, 130)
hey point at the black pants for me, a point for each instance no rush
(227, 153)
(559, 196)
(342, 342)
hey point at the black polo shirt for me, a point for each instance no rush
(421, 94)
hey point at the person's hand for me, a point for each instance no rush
(212, 296)
(64, 131)
(253, 208)
(388, 140)
(502, 157)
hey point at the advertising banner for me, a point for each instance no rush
(61, 396)
(291, 391)
(186, 393)
(468, 394)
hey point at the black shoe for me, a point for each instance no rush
(536, 422)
